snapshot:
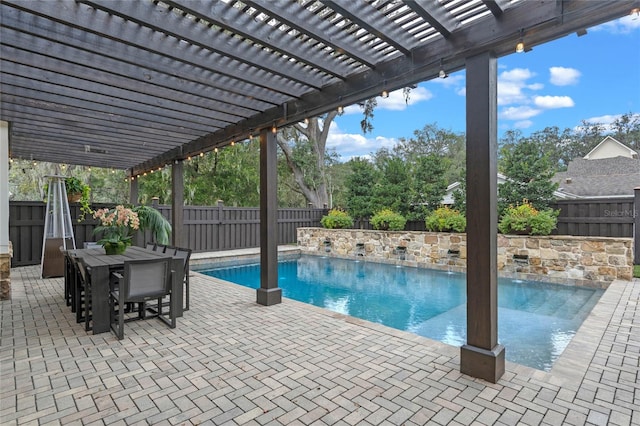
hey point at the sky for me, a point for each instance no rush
(595, 77)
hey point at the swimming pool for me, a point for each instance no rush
(536, 320)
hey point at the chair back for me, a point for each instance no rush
(184, 254)
(146, 279)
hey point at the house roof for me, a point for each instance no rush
(613, 145)
(140, 84)
(599, 178)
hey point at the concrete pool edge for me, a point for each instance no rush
(573, 363)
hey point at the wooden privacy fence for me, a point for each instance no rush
(611, 217)
(225, 228)
(206, 228)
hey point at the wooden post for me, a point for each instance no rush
(268, 294)
(482, 356)
(636, 226)
(177, 203)
(5, 256)
(133, 190)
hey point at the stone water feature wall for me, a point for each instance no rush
(589, 261)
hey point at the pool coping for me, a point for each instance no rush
(568, 370)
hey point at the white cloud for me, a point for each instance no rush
(350, 145)
(519, 113)
(550, 102)
(395, 101)
(462, 91)
(561, 76)
(511, 84)
(516, 74)
(524, 124)
(624, 25)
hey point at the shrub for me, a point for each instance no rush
(387, 219)
(527, 220)
(445, 219)
(336, 219)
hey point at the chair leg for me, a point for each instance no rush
(186, 287)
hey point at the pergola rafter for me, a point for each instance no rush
(206, 73)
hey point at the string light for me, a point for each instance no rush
(274, 129)
(233, 142)
(385, 94)
(520, 44)
(215, 149)
(442, 73)
(202, 154)
(340, 109)
(306, 120)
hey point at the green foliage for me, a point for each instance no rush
(524, 218)
(428, 185)
(393, 189)
(445, 219)
(336, 219)
(528, 173)
(359, 187)
(387, 219)
(152, 220)
(636, 271)
(74, 186)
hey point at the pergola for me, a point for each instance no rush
(143, 84)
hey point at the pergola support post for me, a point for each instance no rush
(177, 203)
(268, 294)
(482, 356)
(133, 190)
(5, 250)
(636, 226)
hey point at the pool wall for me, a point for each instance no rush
(587, 261)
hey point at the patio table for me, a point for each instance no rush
(101, 265)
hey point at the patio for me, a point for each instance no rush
(232, 361)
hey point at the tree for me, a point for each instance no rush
(359, 188)
(304, 151)
(393, 189)
(529, 172)
(428, 185)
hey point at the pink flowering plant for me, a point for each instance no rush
(118, 226)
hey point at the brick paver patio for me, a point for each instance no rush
(231, 361)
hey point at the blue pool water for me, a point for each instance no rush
(536, 320)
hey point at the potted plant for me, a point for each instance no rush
(387, 219)
(524, 219)
(336, 219)
(118, 226)
(78, 192)
(446, 219)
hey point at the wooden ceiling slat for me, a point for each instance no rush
(55, 17)
(162, 20)
(265, 34)
(438, 17)
(102, 97)
(124, 132)
(25, 110)
(375, 22)
(316, 28)
(121, 75)
(60, 132)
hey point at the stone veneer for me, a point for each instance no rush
(5, 274)
(588, 261)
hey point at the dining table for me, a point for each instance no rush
(100, 266)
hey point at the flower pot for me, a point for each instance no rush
(74, 198)
(115, 248)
